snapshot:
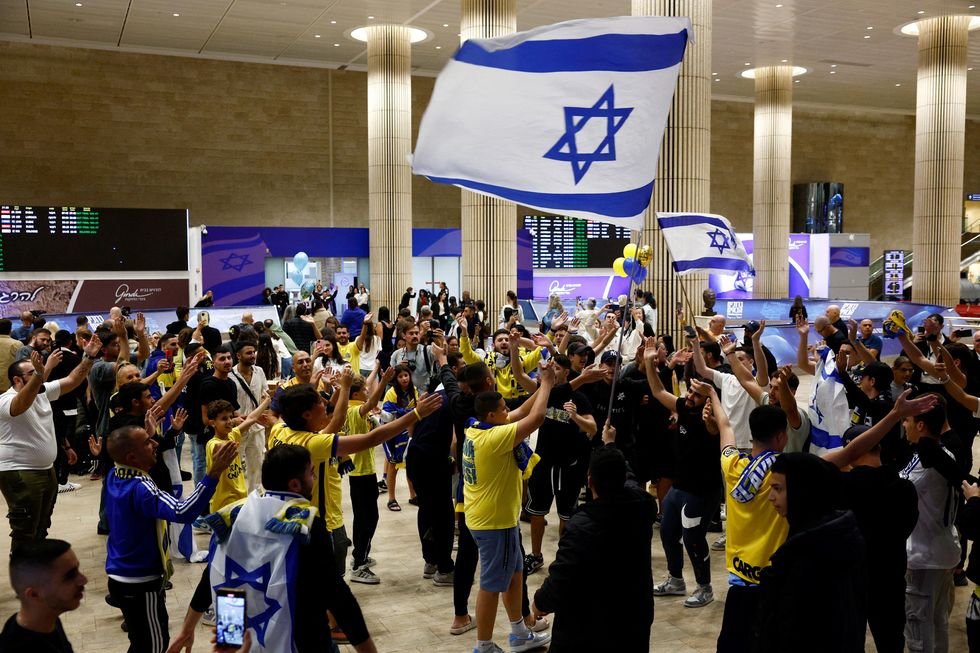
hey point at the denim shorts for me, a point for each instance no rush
(500, 557)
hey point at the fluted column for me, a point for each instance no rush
(389, 88)
(940, 124)
(489, 225)
(684, 169)
(771, 189)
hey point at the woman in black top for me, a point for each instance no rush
(797, 309)
(385, 330)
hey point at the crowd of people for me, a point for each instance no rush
(590, 411)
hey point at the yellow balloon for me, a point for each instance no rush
(630, 251)
(618, 267)
(645, 255)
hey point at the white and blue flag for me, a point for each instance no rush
(565, 118)
(704, 242)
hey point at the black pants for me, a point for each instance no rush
(680, 508)
(467, 557)
(886, 613)
(432, 479)
(737, 626)
(973, 635)
(364, 502)
(144, 607)
(64, 429)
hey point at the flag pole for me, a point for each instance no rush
(622, 327)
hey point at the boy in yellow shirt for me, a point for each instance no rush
(493, 454)
(363, 479)
(231, 485)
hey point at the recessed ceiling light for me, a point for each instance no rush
(415, 35)
(176, 15)
(833, 65)
(867, 36)
(785, 61)
(445, 24)
(833, 72)
(796, 81)
(333, 22)
(336, 45)
(78, 4)
(969, 68)
(778, 6)
(870, 27)
(370, 17)
(717, 80)
(714, 73)
(747, 63)
(316, 36)
(920, 12)
(438, 47)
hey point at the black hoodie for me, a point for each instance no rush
(814, 593)
(580, 589)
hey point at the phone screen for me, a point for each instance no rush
(230, 617)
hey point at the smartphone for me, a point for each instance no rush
(963, 333)
(920, 330)
(229, 612)
(732, 337)
(690, 332)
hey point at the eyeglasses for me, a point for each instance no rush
(28, 374)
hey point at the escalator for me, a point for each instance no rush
(969, 254)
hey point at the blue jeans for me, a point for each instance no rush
(286, 367)
(199, 457)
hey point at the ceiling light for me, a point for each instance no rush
(912, 28)
(796, 81)
(176, 15)
(748, 63)
(316, 36)
(78, 4)
(867, 36)
(833, 65)
(336, 45)
(970, 68)
(870, 27)
(714, 73)
(333, 22)
(717, 80)
(370, 17)
(897, 84)
(415, 34)
(445, 24)
(920, 12)
(750, 74)
(438, 47)
(779, 6)
(833, 72)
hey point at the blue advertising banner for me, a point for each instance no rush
(739, 286)
(849, 257)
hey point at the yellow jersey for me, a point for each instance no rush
(231, 485)
(356, 425)
(491, 478)
(507, 385)
(755, 530)
(323, 450)
(351, 354)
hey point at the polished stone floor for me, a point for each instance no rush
(404, 612)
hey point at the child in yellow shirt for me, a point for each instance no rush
(231, 485)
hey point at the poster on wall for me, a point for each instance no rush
(66, 296)
(740, 286)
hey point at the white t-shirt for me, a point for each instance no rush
(795, 438)
(934, 544)
(28, 441)
(368, 359)
(737, 404)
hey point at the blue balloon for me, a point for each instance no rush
(629, 266)
(641, 275)
(307, 289)
(301, 260)
(297, 278)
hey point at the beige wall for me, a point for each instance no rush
(871, 153)
(244, 143)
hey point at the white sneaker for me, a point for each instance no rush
(528, 642)
(209, 618)
(670, 587)
(67, 487)
(702, 596)
(719, 544)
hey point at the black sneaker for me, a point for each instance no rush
(382, 486)
(715, 527)
(532, 563)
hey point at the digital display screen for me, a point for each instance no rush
(230, 616)
(87, 239)
(573, 243)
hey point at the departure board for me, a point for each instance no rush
(87, 239)
(573, 243)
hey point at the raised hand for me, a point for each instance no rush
(38, 362)
(546, 372)
(94, 445)
(439, 353)
(650, 350)
(802, 326)
(541, 340)
(570, 408)
(346, 377)
(702, 388)
(139, 324)
(54, 358)
(428, 404)
(757, 336)
(190, 366)
(852, 330)
(388, 375)
(970, 490)
(368, 318)
(593, 373)
(910, 407)
(559, 321)
(180, 416)
(93, 347)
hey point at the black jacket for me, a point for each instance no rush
(969, 524)
(580, 590)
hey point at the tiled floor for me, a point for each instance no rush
(404, 612)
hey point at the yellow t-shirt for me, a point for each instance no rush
(491, 478)
(351, 354)
(356, 425)
(507, 385)
(231, 485)
(755, 530)
(323, 451)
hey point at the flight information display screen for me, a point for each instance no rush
(87, 239)
(573, 243)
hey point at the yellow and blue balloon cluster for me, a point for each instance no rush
(633, 263)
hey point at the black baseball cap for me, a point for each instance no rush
(578, 349)
(853, 432)
(881, 373)
(609, 357)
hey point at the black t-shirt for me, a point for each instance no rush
(17, 639)
(560, 437)
(628, 392)
(176, 326)
(697, 467)
(212, 389)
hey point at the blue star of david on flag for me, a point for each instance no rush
(235, 262)
(576, 118)
(719, 240)
(258, 579)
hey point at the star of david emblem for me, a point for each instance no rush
(576, 118)
(236, 576)
(235, 262)
(720, 240)
(816, 409)
(742, 281)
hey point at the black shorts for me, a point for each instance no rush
(553, 480)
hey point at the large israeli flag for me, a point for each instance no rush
(703, 242)
(565, 118)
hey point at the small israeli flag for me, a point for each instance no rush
(565, 118)
(703, 242)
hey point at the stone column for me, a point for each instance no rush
(389, 89)
(489, 225)
(940, 124)
(684, 170)
(772, 192)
